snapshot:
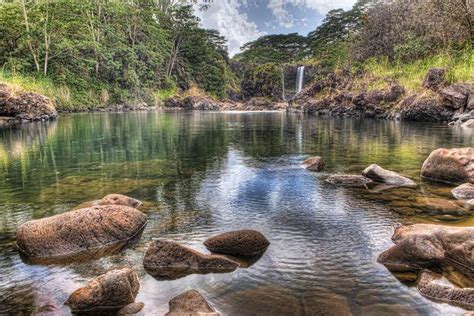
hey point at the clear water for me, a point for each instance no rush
(204, 173)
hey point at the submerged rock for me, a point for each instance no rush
(240, 243)
(131, 309)
(190, 303)
(349, 180)
(170, 260)
(432, 247)
(378, 174)
(450, 165)
(323, 302)
(80, 232)
(110, 291)
(314, 164)
(430, 285)
(464, 191)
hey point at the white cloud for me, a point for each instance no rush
(279, 8)
(225, 17)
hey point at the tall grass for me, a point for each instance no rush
(459, 66)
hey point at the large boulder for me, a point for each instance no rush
(170, 260)
(464, 191)
(455, 96)
(349, 180)
(378, 174)
(314, 164)
(240, 243)
(190, 303)
(435, 247)
(82, 232)
(430, 285)
(25, 106)
(450, 165)
(110, 291)
(435, 79)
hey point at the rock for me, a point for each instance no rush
(170, 260)
(110, 291)
(422, 109)
(470, 102)
(468, 124)
(190, 303)
(432, 247)
(430, 286)
(470, 205)
(323, 302)
(450, 165)
(112, 199)
(80, 232)
(455, 96)
(435, 79)
(464, 191)
(240, 243)
(388, 309)
(25, 106)
(440, 205)
(131, 309)
(316, 164)
(378, 174)
(349, 180)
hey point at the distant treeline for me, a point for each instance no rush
(112, 51)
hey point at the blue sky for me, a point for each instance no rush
(241, 21)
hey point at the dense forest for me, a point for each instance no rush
(96, 52)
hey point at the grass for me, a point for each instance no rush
(460, 68)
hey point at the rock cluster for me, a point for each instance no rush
(18, 107)
(336, 95)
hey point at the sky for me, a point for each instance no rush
(242, 21)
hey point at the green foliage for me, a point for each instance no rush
(263, 81)
(274, 49)
(111, 51)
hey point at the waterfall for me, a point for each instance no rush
(299, 79)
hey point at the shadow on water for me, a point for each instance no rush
(204, 173)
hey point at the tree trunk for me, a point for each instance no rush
(27, 27)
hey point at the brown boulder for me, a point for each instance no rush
(464, 191)
(437, 247)
(169, 260)
(456, 95)
(322, 302)
(430, 285)
(378, 174)
(423, 109)
(110, 291)
(314, 164)
(80, 232)
(190, 303)
(112, 199)
(450, 165)
(435, 79)
(349, 180)
(240, 243)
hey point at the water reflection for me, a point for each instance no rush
(200, 174)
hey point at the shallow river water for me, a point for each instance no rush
(204, 173)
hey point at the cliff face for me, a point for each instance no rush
(436, 102)
(19, 107)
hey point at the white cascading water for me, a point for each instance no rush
(299, 79)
